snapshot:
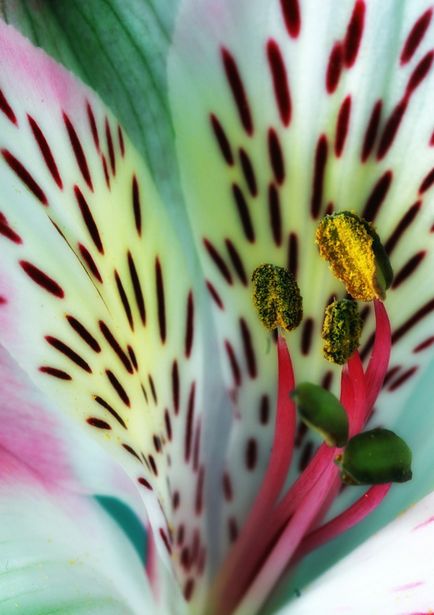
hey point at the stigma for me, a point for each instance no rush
(355, 254)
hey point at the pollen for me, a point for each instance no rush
(355, 255)
(341, 331)
(276, 297)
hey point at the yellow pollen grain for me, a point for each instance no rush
(344, 241)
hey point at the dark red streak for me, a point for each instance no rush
(280, 81)
(291, 16)
(78, 151)
(251, 454)
(408, 269)
(89, 220)
(68, 352)
(189, 422)
(108, 135)
(235, 368)
(175, 387)
(275, 215)
(98, 423)
(402, 379)
(243, 212)
(371, 131)
(140, 301)
(222, 140)
(42, 279)
(377, 196)
(276, 156)
(189, 325)
(293, 254)
(415, 36)
(88, 259)
(110, 338)
(45, 151)
(318, 175)
(419, 74)
(306, 336)
(161, 301)
(218, 261)
(121, 141)
(402, 226)
(413, 320)
(7, 231)
(425, 344)
(249, 352)
(56, 373)
(136, 206)
(236, 261)
(334, 68)
(92, 124)
(354, 33)
(248, 172)
(198, 503)
(342, 125)
(214, 294)
(22, 173)
(168, 424)
(427, 182)
(264, 410)
(124, 299)
(238, 91)
(118, 387)
(7, 109)
(391, 128)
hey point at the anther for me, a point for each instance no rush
(355, 254)
(276, 297)
(341, 330)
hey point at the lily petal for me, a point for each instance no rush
(389, 574)
(285, 99)
(97, 301)
(62, 552)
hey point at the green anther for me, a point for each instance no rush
(276, 297)
(321, 410)
(376, 457)
(341, 330)
(355, 254)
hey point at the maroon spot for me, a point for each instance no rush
(371, 131)
(99, 423)
(133, 357)
(214, 294)
(131, 451)
(249, 173)
(83, 333)
(238, 92)
(180, 534)
(78, 151)
(152, 386)
(301, 434)
(342, 125)
(45, 151)
(305, 457)
(427, 182)
(102, 402)
(189, 325)
(275, 215)
(243, 212)
(276, 156)
(7, 231)
(280, 81)
(425, 344)
(196, 448)
(118, 387)
(161, 301)
(189, 422)
(188, 589)
(402, 379)
(153, 465)
(92, 124)
(175, 386)
(264, 410)
(251, 454)
(111, 150)
(419, 74)
(157, 443)
(236, 261)
(89, 220)
(165, 540)
(306, 336)
(145, 483)
(222, 140)
(218, 261)
(354, 33)
(198, 503)
(402, 226)
(68, 352)
(232, 529)
(116, 347)
(415, 36)
(413, 320)
(140, 301)
(227, 487)
(408, 269)
(293, 254)
(318, 175)
(42, 279)
(56, 373)
(137, 210)
(391, 373)
(249, 352)
(7, 109)
(88, 259)
(168, 424)
(124, 300)
(22, 173)
(334, 68)
(377, 196)
(327, 380)
(291, 16)
(391, 129)
(235, 368)
(105, 169)
(121, 141)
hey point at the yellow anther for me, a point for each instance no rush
(276, 297)
(341, 331)
(355, 254)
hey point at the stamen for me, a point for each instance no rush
(276, 297)
(355, 254)
(341, 331)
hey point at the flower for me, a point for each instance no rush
(146, 331)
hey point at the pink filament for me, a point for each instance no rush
(379, 361)
(243, 558)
